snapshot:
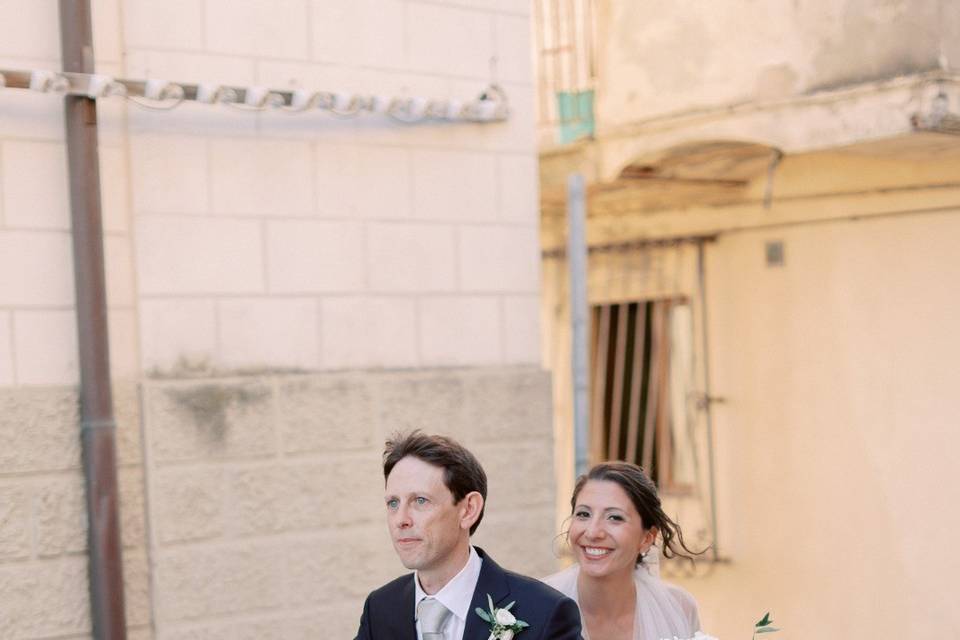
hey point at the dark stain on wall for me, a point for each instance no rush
(210, 406)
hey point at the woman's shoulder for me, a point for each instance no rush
(564, 581)
(681, 595)
(686, 602)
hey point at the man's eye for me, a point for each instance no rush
(393, 504)
(421, 500)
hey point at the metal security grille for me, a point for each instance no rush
(633, 402)
(565, 66)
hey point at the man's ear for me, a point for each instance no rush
(470, 508)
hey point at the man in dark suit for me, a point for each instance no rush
(435, 493)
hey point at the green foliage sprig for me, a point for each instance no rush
(764, 625)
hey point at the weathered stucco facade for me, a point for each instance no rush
(820, 131)
(285, 291)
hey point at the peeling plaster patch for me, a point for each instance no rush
(878, 39)
(776, 81)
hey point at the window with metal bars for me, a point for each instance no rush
(640, 386)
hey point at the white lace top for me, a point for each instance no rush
(663, 610)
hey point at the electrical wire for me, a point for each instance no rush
(152, 106)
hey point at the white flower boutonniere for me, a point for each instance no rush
(503, 624)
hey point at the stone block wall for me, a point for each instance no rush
(43, 561)
(252, 507)
(266, 493)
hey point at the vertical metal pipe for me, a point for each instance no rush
(577, 255)
(97, 426)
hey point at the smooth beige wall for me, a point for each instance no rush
(836, 437)
(836, 373)
(836, 429)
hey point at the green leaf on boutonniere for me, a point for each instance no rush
(767, 629)
(483, 614)
(510, 605)
(765, 620)
(493, 610)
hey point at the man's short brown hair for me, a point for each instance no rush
(462, 472)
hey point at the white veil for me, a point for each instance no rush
(663, 610)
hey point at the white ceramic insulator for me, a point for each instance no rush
(208, 92)
(256, 96)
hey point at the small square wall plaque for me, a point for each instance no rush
(774, 251)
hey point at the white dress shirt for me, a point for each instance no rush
(456, 596)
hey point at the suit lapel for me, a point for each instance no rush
(401, 623)
(492, 581)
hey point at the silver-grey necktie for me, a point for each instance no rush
(432, 616)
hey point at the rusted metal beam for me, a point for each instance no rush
(97, 425)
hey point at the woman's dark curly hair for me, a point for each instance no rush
(643, 494)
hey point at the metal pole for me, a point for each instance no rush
(702, 286)
(577, 255)
(97, 426)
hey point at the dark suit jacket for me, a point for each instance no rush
(388, 611)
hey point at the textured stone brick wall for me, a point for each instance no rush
(43, 562)
(253, 508)
(266, 510)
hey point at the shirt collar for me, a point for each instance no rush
(457, 594)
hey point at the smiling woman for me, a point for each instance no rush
(616, 519)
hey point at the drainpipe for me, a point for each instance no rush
(97, 425)
(579, 319)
